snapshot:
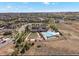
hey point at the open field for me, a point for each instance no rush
(70, 46)
(65, 44)
(7, 50)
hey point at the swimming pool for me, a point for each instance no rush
(49, 34)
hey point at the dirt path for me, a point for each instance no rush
(27, 36)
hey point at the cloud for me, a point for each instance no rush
(8, 7)
(25, 2)
(53, 3)
(47, 3)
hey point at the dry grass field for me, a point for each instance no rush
(60, 46)
(68, 44)
(6, 50)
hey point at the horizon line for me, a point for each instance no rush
(40, 12)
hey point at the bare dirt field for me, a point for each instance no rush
(6, 50)
(68, 46)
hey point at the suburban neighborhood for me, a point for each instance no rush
(23, 35)
(39, 29)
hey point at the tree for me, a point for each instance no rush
(54, 27)
(21, 46)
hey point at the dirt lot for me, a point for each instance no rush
(65, 45)
(68, 46)
(6, 50)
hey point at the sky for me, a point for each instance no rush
(39, 6)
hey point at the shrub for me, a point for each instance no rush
(54, 27)
(38, 46)
(7, 33)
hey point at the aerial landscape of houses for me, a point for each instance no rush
(28, 32)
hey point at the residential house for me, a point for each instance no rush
(37, 25)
